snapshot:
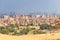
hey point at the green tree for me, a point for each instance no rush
(25, 31)
(38, 32)
(3, 30)
(46, 26)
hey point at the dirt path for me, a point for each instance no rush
(31, 37)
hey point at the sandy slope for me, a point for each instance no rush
(31, 37)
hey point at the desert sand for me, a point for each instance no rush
(31, 37)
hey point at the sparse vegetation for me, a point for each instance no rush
(13, 29)
(23, 31)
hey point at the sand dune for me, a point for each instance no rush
(31, 37)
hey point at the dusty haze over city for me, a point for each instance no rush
(29, 19)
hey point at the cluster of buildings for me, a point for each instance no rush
(28, 19)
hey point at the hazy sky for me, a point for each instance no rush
(27, 6)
